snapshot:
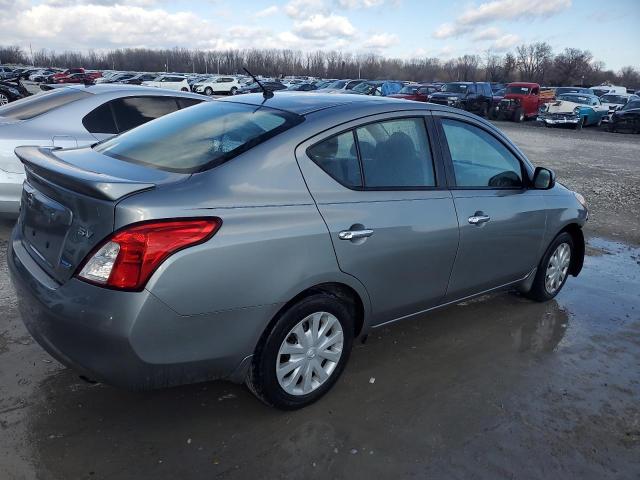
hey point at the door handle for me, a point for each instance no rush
(479, 219)
(355, 234)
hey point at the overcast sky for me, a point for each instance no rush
(610, 29)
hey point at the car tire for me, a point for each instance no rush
(546, 283)
(184, 89)
(208, 91)
(580, 123)
(493, 113)
(518, 115)
(233, 91)
(288, 332)
(3, 99)
(484, 111)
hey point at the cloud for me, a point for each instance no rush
(302, 8)
(512, 9)
(505, 42)
(489, 12)
(320, 26)
(489, 33)
(267, 12)
(353, 4)
(380, 41)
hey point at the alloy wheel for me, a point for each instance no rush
(3, 99)
(310, 353)
(557, 268)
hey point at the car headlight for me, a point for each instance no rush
(576, 110)
(452, 99)
(580, 199)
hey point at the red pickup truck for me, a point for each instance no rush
(522, 100)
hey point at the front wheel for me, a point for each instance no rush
(208, 91)
(3, 99)
(553, 269)
(518, 115)
(304, 353)
(580, 123)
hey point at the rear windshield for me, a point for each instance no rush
(200, 137)
(44, 102)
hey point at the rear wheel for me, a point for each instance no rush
(518, 115)
(304, 353)
(553, 269)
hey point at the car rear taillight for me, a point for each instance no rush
(127, 259)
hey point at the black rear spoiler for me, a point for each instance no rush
(43, 163)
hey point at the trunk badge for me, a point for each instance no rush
(84, 232)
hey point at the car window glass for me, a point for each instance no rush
(100, 120)
(396, 154)
(338, 157)
(134, 111)
(184, 102)
(479, 159)
(41, 103)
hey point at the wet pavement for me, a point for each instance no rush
(497, 387)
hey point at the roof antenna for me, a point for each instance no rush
(266, 93)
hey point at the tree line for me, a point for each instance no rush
(534, 62)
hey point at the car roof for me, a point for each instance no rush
(308, 102)
(522, 84)
(104, 88)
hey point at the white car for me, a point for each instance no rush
(615, 101)
(226, 85)
(601, 90)
(170, 81)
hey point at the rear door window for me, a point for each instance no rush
(338, 157)
(100, 120)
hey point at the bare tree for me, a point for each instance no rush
(533, 60)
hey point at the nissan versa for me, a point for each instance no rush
(253, 238)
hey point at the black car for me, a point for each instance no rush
(475, 97)
(138, 79)
(254, 87)
(627, 118)
(303, 87)
(11, 90)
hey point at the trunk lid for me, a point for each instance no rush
(69, 199)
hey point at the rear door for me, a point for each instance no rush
(502, 222)
(380, 189)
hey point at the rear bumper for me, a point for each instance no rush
(131, 339)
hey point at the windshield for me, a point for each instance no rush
(581, 99)
(518, 90)
(199, 137)
(40, 103)
(337, 84)
(409, 90)
(455, 88)
(617, 99)
(561, 90)
(600, 91)
(630, 105)
(363, 87)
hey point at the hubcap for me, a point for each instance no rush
(557, 268)
(310, 353)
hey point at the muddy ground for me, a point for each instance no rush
(498, 387)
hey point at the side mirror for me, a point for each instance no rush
(543, 178)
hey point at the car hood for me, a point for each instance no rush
(612, 106)
(563, 106)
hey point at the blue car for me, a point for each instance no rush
(575, 109)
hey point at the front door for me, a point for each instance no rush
(391, 220)
(502, 222)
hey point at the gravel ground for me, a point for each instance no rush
(603, 166)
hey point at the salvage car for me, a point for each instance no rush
(272, 85)
(474, 97)
(615, 101)
(416, 92)
(574, 109)
(12, 90)
(74, 116)
(255, 237)
(627, 118)
(521, 100)
(172, 82)
(378, 88)
(217, 85)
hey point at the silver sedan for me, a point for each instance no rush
(254, 238)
